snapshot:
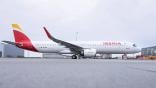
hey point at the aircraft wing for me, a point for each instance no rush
(74, 48)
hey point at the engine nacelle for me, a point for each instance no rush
(89, 53)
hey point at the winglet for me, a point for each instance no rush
(48, 34)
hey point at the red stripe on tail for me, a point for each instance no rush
(23, 40)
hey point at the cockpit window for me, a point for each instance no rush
(134, 45)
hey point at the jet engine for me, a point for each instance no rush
(88, 53)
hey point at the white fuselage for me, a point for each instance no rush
(102, 47)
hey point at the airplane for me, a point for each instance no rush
(77, 49)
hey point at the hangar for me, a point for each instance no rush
(149, 53)
(11, 51)
(0, 53)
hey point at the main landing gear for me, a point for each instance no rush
(76, 57)
(124, 57)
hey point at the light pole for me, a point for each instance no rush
(76, 36)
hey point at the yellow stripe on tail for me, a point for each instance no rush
(16, 27)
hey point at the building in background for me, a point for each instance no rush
(149, 53)
(0, 54)
(11, 51)
(0, 50)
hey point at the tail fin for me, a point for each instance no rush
(19, 34)
(21, 40)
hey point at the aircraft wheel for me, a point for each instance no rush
(74, 57)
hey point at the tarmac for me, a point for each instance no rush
(82, 73)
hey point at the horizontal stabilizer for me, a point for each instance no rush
(9, 42)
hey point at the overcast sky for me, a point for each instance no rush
(119, 20)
